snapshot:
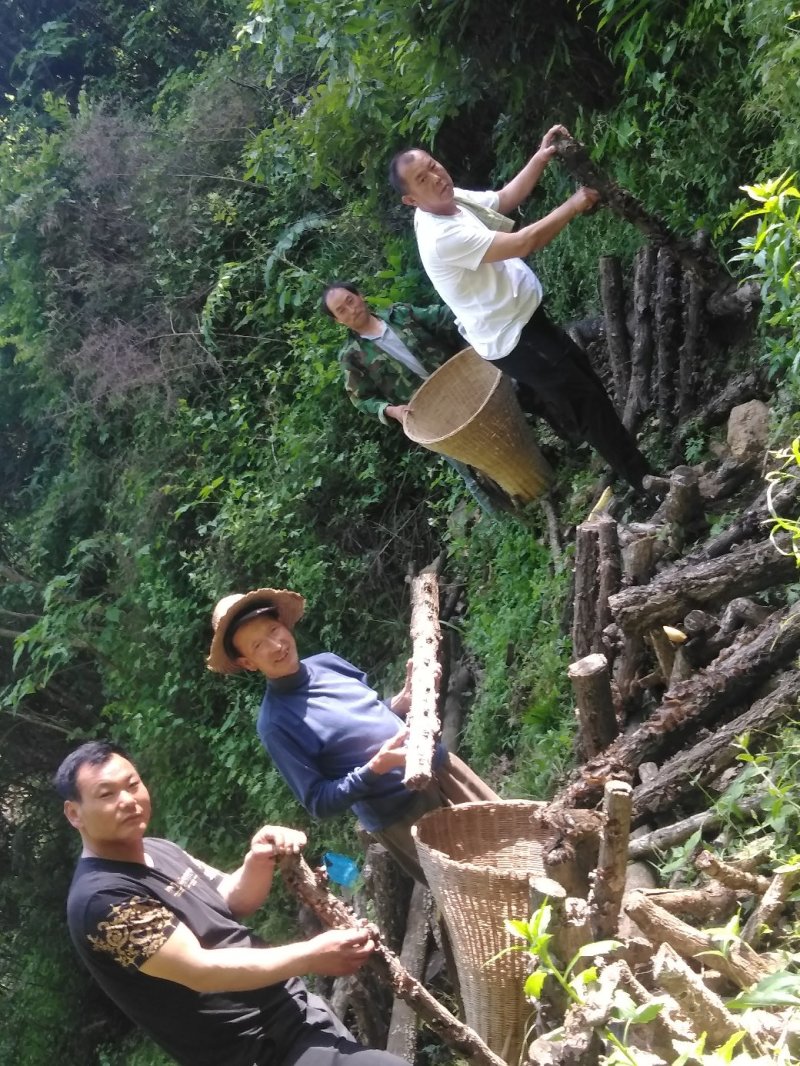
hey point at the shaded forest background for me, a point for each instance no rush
(177, 182)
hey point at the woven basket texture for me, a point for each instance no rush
(477, 858)
(467, 410)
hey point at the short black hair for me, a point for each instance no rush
(348, 285)
(93, 753)
(395, 178)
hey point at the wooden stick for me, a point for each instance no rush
(422, 719)
(669, 835)
(712, 902)
(704, 1008)
(609, 883)
(597, 719)
(730, 875)
(739, 963)
(332, 912)
(769, 907)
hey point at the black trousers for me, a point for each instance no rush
(325, 1049)
(570, 396)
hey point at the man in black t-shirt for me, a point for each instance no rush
(159, 932)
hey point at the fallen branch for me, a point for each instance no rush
(669, 835)
(729, 875)
(769, 907)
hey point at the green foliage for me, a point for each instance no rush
(774, 253)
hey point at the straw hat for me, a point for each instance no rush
(286, 606)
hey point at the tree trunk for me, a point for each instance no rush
(597, 719)
(612, 294)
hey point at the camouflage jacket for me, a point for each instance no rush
(374, 380)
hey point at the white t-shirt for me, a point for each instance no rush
(491, 301)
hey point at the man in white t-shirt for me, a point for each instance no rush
(496, 298)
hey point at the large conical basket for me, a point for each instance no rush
(467, 410)
(477, 858)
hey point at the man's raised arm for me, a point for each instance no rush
(531, 238)
(246, 889)
(182, 959)
(520, 187)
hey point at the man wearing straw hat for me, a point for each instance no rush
(476, 265)
(336, 744)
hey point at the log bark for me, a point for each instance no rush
(769, 907)
(612, 295)
(638, 400)
(570, 918)
(403, 1024)
(666, 323)
(711, 903)
(597, 719)
(704, 1009)
(422, 720)
(729, 875)
(300, 880)
(609, 883)
(739, 964)
(683, 507)
(680, 589)
(638, 562)
(704, 762)
(733, 677)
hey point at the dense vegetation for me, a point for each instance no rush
(177, 181)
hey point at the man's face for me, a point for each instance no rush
(348, 308)
(266, 645)
(113, 805)
(428, 185)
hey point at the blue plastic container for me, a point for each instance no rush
(341, 869)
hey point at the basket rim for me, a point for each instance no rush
(472, 867)
(447, 436)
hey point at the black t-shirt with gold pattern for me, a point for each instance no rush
(121, 913)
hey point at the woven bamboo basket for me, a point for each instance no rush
(478, 858)
(467, 410)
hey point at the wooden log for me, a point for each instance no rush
(738, 390)
(704, 762)
(638, 562)
(597, 719)
(692, 301)
(570, 918)
(729, 875)
(665, 651)
(403, 1023)
(740, 301)
(612, 296)
(335, 914)
(422, 720)
(580, 1043)
(732, 679)
(683, 507)
(670, 835)
(769, 907)
(742, 612)
(677, 590)
(389, 890)
(609, 576)
(711, 903)
(740, 964)
(598, 568)
(704, 1009)
(701, 263)
(666, 326)
(585, 595)
(638, 399)
(724, 479)
(609, 883)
